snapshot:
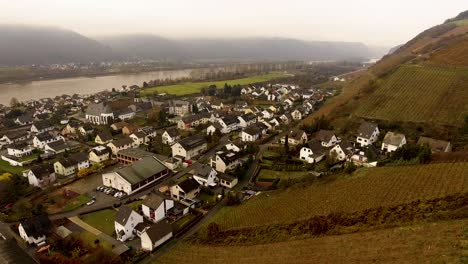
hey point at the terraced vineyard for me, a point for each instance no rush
(443, 242)
(367, 188)
(420, 93)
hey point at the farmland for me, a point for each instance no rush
(283, 175)
(366, 188)
(196, 87)
(420, 93)
(442, 242)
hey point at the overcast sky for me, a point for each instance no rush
(375, 22)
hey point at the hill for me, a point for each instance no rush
(248, 49)
(443, 242)
(23, 45)
(367, 188)
(422, 81)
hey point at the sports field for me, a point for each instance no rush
(196, 87)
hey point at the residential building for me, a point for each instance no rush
(327, 138)
(19, 149)
(40, 175)
(392, 141)
(42, 139)
(99, 154)
(187, 189)
(313, 152)
(170, 136)
(190, 147)
(178, 107)
(342, 151)
(295, 137)
(103, 138)
(367, 133)
(156, 235)
(121, 144)
(125, 223)
(34, 230)
(204, 174)
(226, 161)
(155, 207)
(226, 180)
(41, 126)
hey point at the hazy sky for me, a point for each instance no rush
(378, 22)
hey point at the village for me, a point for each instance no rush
(132, 172)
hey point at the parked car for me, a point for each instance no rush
(90, 202)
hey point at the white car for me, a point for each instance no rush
(90, 202)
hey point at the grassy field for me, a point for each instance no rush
(5, 166)
(463, 22)
(420, 93)
(195, 87)
(366, 188)
(282, 175)
(76, 203)
(443, 242)
(102, 220)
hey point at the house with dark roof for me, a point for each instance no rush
(367, 133)
(204, 174)
(295, 137)
(189, 147)
(313, 152)
(86, 129)
(19, 149)
(136, 176)
(187, 189)
(41, 126)
(343, 151)
(156, 235)
(253, 132)
(327, 138)
(226, 180)
(192, 121)
(34, 230)
(14, 136)
(156, 207)
(125, 223)
(436, 145)
(61, 146)
(247, 120)
(42, 139)
(226, 161)
(170, 136)
(140, 138)
(99, 154)
(40, 175)
(121, 144)
(24, 120)
(71, 165)
(103, 138)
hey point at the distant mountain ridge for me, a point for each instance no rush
(150, 46)
(26, 45)
(23, 45)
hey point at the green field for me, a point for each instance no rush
(76, 203)
(420, 93)
(195, 87)
(366, 188)
(443, 242)
(282, 175)
(102, 220)
(5, 166)
(462, 22)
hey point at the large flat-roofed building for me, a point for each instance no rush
(134, 177)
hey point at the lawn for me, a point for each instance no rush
(76, 203)
(103, 220)
(442, 242)
(282, 175)
(196, 87)
(5, 166)
(135, 205)
(89, 238)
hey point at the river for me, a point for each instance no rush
(81, 85)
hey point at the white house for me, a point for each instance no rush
(121, 144)
(41, 140)
(156, 235)
(34, 230)
(247, 120)
(253, 132)
(327, 138)
(392, 141)
(170, 136)
(367, 133)
(190, 147)
(295, 137)
(313, 152)
(204, 174)
(125, 223)
(40, 176)
(156, 207)
(41, 126)
(226, 161)
(19, 149)
(342, 151)
(227, 181)
(187, 189)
